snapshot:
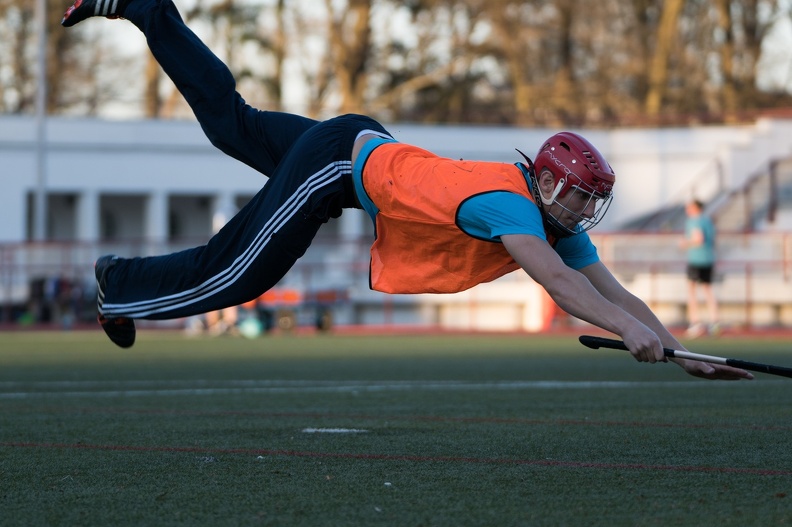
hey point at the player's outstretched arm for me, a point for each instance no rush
(602, 279)
(575, 294)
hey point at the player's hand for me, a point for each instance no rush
(713, 372)
(644, 344)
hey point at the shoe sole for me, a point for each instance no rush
(121, 330)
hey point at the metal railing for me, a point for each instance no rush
(754, 274)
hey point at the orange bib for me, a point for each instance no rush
(419, 248)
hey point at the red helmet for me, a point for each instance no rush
(576, 166)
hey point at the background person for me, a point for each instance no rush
(700, 245)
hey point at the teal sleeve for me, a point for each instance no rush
(491, 215)
(577, 251)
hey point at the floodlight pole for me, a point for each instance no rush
(40, 208)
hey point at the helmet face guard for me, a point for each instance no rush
(583, 184)
(573, 198)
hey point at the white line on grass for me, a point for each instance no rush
(333, 431)
(156, 388)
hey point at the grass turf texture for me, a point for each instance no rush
(460, 430)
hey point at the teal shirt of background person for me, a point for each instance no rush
(704, 254)
(490, 215)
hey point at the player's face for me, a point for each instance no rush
(574, 207)
(577, 206)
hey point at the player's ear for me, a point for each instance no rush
(546, 182)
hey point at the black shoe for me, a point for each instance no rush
(121, 330)
(82, 9)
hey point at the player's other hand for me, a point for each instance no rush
(713, 372)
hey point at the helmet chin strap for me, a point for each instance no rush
(551, 225)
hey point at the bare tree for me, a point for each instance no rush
(408, 66)
(658, 66)
(726, 27)
(152, 98)
(349, 37)
(544, 62)
(513, 34)
(747, 18)
(20, 55)
(453, 79)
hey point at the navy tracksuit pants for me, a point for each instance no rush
(309, 168)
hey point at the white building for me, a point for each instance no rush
(161, 179)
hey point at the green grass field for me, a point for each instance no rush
(383, 430)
